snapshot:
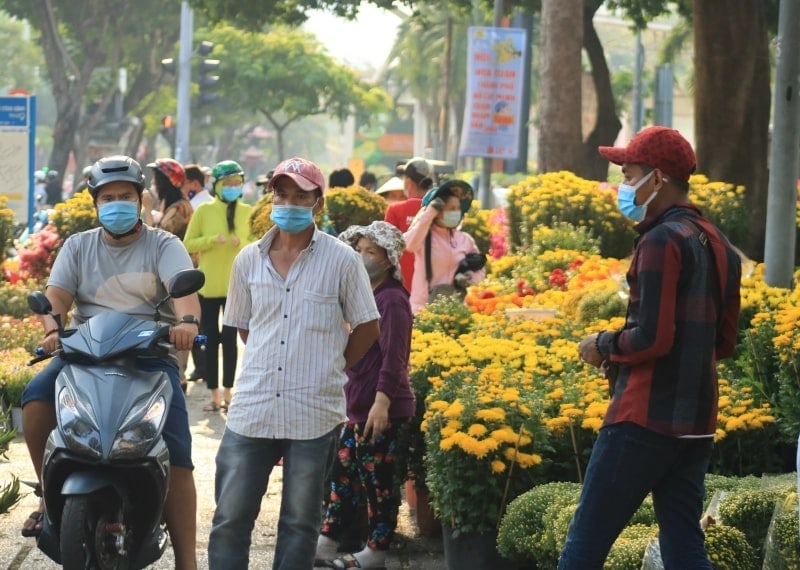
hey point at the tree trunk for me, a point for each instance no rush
(732, 102)
(560, 135)
(69, 85)
(607, 124)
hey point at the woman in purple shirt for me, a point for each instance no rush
(379, 399)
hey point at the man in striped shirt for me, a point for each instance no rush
(303, 304)
(682, 317)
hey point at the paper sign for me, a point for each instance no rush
(494, 92)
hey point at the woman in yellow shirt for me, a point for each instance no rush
(217, 232)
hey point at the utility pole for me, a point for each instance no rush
(184, 118)
(485, 186)
(638, 106)
(779, 247)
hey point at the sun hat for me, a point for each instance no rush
(391, 185)
(657, 147)
(458, 188)
(382, 234)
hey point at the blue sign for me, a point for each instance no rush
(13, 111)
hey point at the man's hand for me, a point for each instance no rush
(50, 342)
(182, 335)
(221, 239)
(587, 350)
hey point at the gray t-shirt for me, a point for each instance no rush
(130, 278)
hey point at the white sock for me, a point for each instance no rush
(327, 548)
(371, 558)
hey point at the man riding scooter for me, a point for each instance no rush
(123, 266)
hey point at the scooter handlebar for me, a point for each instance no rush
(41, 355)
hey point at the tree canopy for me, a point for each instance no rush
(286, 75)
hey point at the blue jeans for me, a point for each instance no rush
(628, 462)
(243, 468)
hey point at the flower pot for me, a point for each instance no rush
(472, 550)
(411, 494)
(427, 523)
(16, 419)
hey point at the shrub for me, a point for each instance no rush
(477, 224)
(628, 550)
(723, 203)
(74, 215)
(728, 548)
(14, 297)
(446, 314)
(554, 197)
(556, 525)
(522, 528)
(354, 205)
(602, 304)
(15, 375)
(25, 334)
(750, 511)
(38, 254)
(10, 495)
(7, 227)
(484, 438)
(782, 544)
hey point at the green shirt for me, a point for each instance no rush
(208, 222)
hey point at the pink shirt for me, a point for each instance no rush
(448, 248)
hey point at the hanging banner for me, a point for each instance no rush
(494, 92)
(17, 132)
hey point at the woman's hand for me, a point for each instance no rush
(378, 417)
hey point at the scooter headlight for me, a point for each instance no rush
(139, 430)
(79, 428)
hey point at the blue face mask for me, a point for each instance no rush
(626, 200)
(292, 219)
(118, 217)
(231, 193)
(451, 218)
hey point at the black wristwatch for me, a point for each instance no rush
(190, 319)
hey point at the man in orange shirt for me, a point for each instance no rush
(418, 179)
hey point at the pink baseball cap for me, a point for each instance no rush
(305, 173)
(657, 147)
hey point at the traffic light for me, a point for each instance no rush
(207, 79)
(168, 131)
(169, 65)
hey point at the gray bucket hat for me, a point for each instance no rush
(382, 234)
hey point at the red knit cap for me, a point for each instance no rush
(657, 147)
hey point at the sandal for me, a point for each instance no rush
(38, 524)
(212, 407)
(350, 561)
(225, 405)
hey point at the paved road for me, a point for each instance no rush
(412, 552)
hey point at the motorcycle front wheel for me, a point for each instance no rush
(85, 542)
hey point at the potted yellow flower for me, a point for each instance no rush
(484, 436)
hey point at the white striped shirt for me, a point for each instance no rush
(292, 374)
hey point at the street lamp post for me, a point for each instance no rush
(184, 85)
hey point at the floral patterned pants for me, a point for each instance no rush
(362, 469)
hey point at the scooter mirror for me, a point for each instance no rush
(186, 282)
(39, 304)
